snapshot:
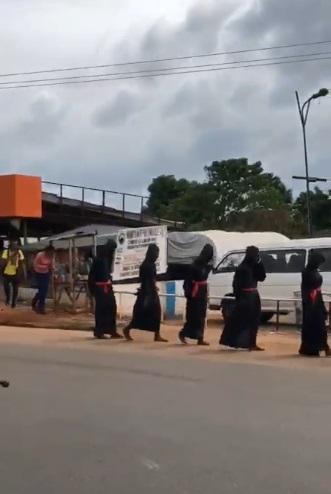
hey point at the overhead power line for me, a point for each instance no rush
(162, 74)
(169, 59)
(166, 69)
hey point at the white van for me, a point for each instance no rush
(284, 264)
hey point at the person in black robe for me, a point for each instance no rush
(100, 286)
(147, 308)
(196, 293)
(314, 313)
(241, 327)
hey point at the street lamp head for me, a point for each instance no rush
(322, 92)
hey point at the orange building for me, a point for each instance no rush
(20, 197)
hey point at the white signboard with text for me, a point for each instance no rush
(131, 249)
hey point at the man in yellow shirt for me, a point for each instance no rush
(12, 262)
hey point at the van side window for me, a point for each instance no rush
(326, 266)
(284, 261)
(230, 262)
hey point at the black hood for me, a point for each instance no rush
(252, 254)
(315, 260)
(152, 253)
(107, 250)
(206, 255)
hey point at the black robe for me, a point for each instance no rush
(196, 293)
(147, 308)
(100, 286)
(314, 314)
(240, 330)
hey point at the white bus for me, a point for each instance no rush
(284, 264)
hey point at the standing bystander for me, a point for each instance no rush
(43, 266)
(12, 261)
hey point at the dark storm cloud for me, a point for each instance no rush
(293, 21)
(39, 127)
(42, 124)
(274, 22)
(121, 135)
(198, 31)
(117, 112)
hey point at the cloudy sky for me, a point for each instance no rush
(121, 134)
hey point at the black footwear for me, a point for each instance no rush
(203, 343)
(182, 338)
(159, 339)
(126, 333)
(116, 336)
(256, 348)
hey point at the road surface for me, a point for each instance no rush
(92, 417)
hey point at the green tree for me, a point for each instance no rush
(196, 207)
(235, 195)
(163, 191)
(320, 208)
(241, 187)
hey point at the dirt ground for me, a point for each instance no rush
(23, 327)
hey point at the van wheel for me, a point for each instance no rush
(266, 316)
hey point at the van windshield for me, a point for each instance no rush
(326, 266)
(284, 261)
(275, 261)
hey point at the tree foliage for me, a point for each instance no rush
(320, 208)
(241, 187)
(164, 191)
(237, 195)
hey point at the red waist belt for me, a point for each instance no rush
(196, 287)
(249, 290)
(106, 285)
(313, 294)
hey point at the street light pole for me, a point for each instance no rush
(303, 112)
(303, 119)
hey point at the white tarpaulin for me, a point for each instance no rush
(184, 247)
(132, 245)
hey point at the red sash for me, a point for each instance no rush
(196, 285)
(313, 294)
(106, 285)
(249, 290)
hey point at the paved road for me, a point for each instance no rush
(82, 421)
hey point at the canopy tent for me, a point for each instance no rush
(184, 247)
(84, 237)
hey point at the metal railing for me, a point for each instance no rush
(278, 302)
(102, 203)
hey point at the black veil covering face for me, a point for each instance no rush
(146, 314)
(100, 286)
(152, 253)
(206, 255)
(107, 252)
(314, 337)
(241, 328)
(315, 261)
(196, 293)
(252, 255)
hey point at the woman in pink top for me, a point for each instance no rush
(43, 265)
